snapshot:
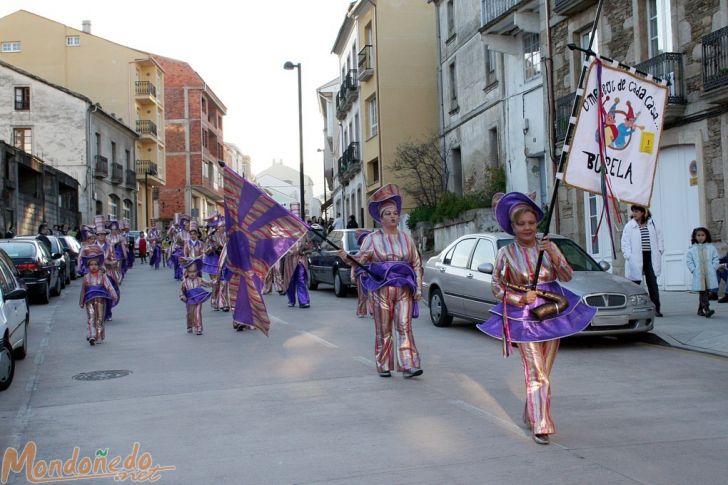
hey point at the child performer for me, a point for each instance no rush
(97, 297)
(193, 248)
(194, 295)
(702, 260)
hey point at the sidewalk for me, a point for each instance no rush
(682, 328)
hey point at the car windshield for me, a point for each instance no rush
(64, 243)
(55, 245)
(353, 245)
(577, 257)
(18, 249)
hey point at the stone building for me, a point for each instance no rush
(683, 41)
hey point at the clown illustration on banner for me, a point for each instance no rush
(617, 134)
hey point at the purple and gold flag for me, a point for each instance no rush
(260, 231)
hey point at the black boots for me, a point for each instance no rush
(705, 311)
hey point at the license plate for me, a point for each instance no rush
(609, 321)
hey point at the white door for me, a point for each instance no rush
(598, 244)
(675, 209)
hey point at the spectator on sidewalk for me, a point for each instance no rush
(702, 261)
(351, 223)
(142, 248)
(642, 248)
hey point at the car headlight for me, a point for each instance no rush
(639, 300)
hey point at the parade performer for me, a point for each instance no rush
(395, 289)
(534, 318)
(88, 247)
(142, 248)
(211, 259)
(116, 241)
(193, 293)
(274, 280)
(193, 248)
(110, 264)
(295, 267)
(98, 295)
(363, 302)
(181, 235)
(155, 244)
(128, 245)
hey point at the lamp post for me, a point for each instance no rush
(289, 66)
(148, 170)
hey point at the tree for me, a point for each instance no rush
(423, 164)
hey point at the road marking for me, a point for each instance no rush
(318, 339)
(365, 361)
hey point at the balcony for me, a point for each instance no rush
(207, 188)
(563, 115)
(366, 62)
(506, 17)
(347, 94)
(668, 66)
(145, 167)
(349, 163)
(715, 59)
(146, 128)
(117, 173)
(145, 91)
(570, 7)
(130, 178)
(102, 167)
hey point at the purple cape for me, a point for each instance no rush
(210, 263)
(525, 327)
(197, 295)
(390, 273)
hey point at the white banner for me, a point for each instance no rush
(633, 109)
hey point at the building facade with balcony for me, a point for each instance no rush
(71, 133)
(684, 42)
(331, 152)
(396, 69)
(471, 94)
(194, 143)
(237, 160)
(32, 192)
(126, 82)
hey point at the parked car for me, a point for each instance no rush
(453, 286)
(14, 319)
(40, 271)
(73, 248)
(65, 258)
(325, 265)
(134, 241)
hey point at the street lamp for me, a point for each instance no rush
(289, 66)
(148, 170)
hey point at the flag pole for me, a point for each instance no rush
(562, 158)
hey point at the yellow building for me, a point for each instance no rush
(127, 83)
(396, 65)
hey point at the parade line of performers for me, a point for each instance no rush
(535, 311)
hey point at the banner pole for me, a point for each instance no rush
(562, 158)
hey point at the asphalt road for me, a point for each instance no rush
(306, 405)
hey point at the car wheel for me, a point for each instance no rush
(45, 295)
(340, 289)
(7, 365)
(57, 289)
(22, 352)
(312, 283)
(438, 310)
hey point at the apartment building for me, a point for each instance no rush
(127, 83)
(327, 95)
(237, 160)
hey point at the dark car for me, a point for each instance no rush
(56, 249)
(325, 265)
(73, 248)
(40, 271)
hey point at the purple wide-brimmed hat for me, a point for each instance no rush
(93, 254)
(114, 225)
(360, 235)
(388, 193)
(213, 220)
(504, 206)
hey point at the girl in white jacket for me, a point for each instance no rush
(642, 248)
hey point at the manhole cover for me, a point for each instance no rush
(101, 375)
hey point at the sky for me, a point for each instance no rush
(239, 48)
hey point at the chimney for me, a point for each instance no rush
(86, 26)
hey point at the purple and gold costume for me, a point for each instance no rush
(98, 295)
(192, 289)
(295, 266)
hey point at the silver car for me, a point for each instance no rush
(453, 286)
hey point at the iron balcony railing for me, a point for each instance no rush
(146, 127)
(493, 9)
(715, 59)
(130, 178)
(350, 162)
(563, 114)
(668, 66)
(145, 167)
(117, 173)
(365, 59)
(348, 92)
(145, 88)
(102, 167)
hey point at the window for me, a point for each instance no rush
(204, 105)
(593, 217)
(450, 19)
(98, 144)
(453, 86)
(127, 160)
(490, 63)
(22, 138)
(12, 46)
(113, 152)
(531, 56)
(127, 209)
(73, 41)
(373, 116)
(205, 138)
(114, 205)
(22, 98)
(373, 171)
(484, 253)
(659, 30)
(461, 254)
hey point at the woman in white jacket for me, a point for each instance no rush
(642, 248)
